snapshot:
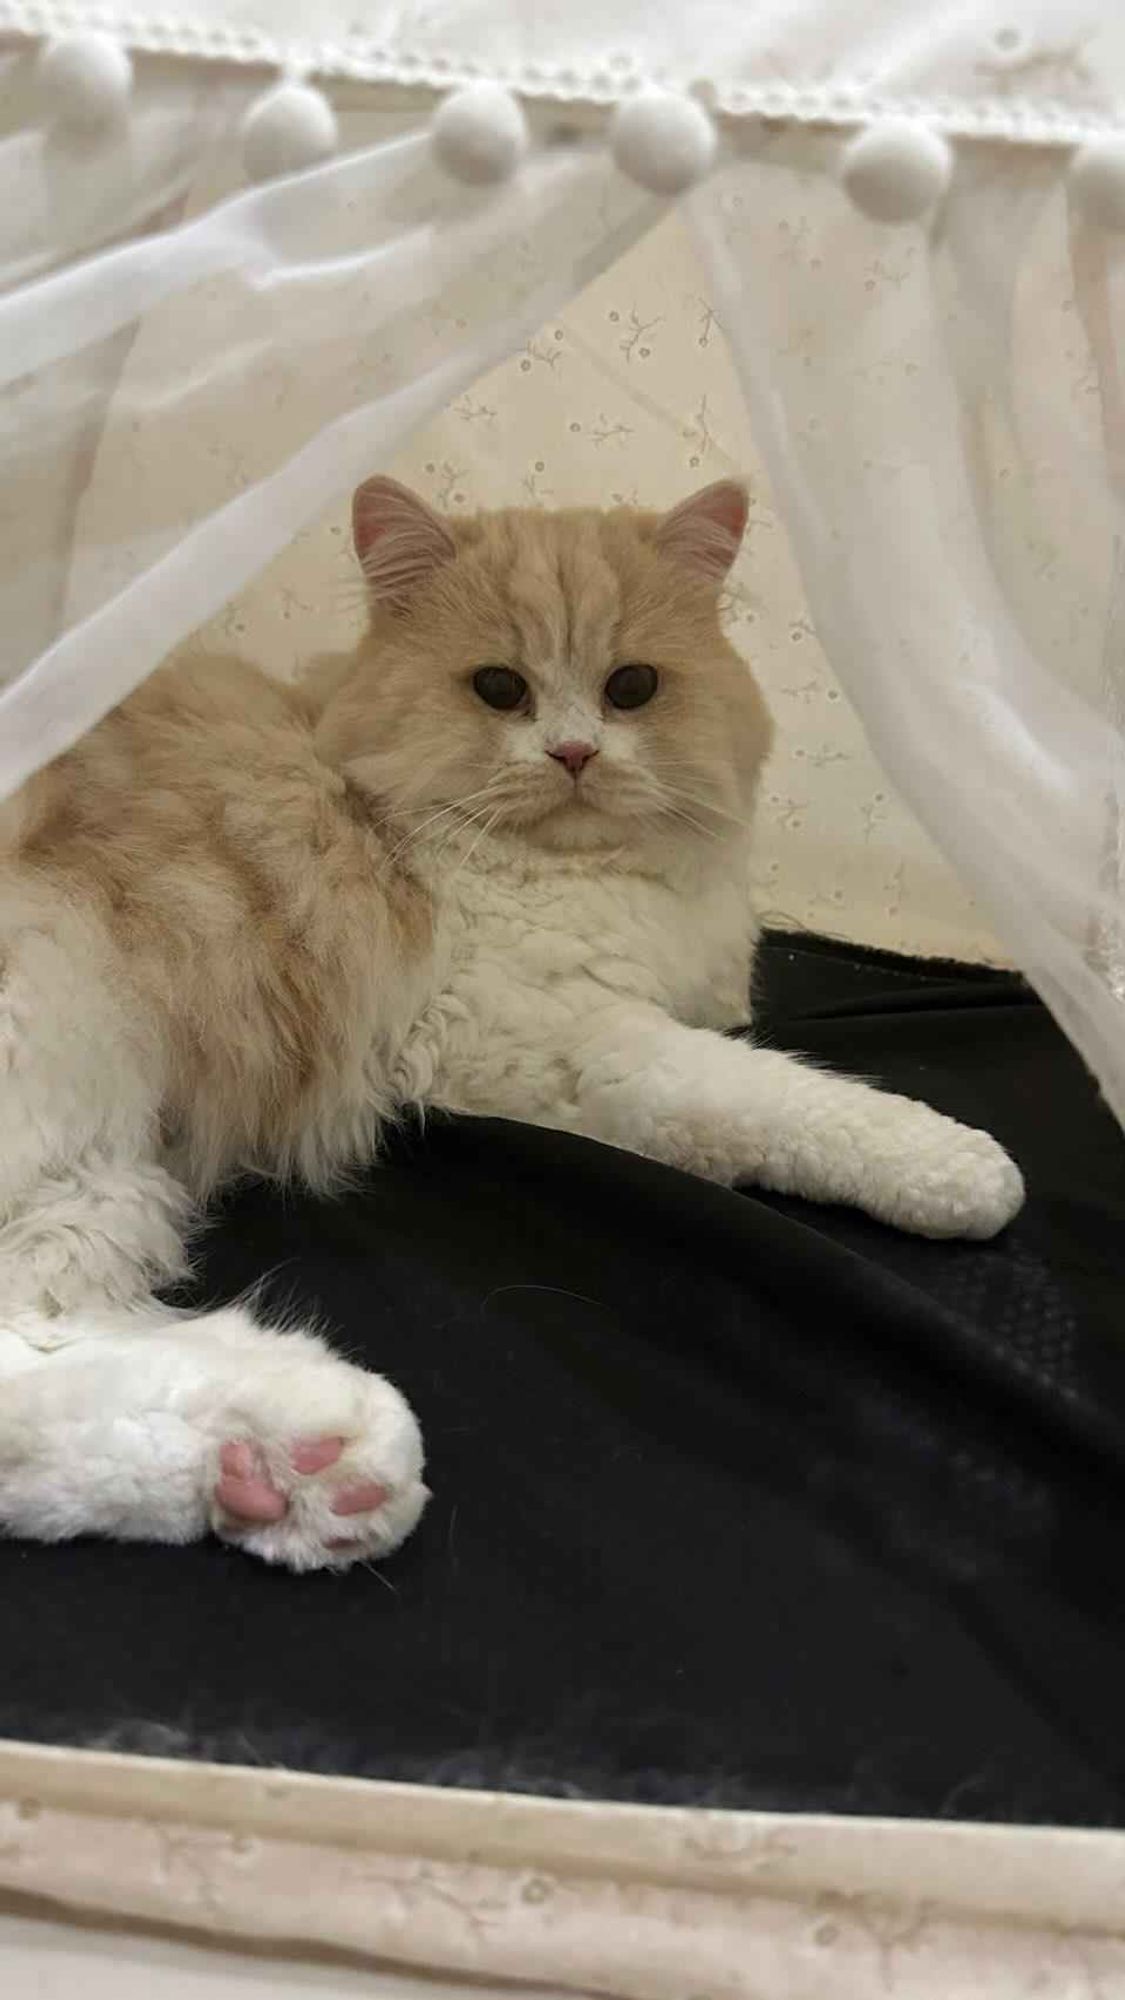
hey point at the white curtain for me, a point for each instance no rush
(940, 412)
(939, 406)
(347, 279)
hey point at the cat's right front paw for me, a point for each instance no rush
(322, 1469)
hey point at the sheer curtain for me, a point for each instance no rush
(940, 406)
(940, 412)
(377, 285)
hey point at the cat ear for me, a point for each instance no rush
(398, 539)
(703, 533)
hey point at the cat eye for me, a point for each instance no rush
(631, 686)
(500, 687)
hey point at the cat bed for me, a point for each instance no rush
(770, 1568)
(737, 1502)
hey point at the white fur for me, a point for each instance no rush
(585, 994)
(586, 991)
(119, 1433)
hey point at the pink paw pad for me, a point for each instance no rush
(246, 1493)
(314, 1454)
(360, 1499)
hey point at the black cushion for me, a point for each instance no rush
(737, 1501)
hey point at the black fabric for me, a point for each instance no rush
(737, 1501)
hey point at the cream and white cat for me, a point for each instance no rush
(495, 860)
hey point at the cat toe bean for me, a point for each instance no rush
(311, 1500)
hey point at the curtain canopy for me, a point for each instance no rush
(257, 244)
(1016, 68)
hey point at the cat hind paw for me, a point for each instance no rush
(324, 1498)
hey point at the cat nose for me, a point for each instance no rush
(575, 756)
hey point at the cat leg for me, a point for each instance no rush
(86, 1213)
(730, 1111)
(100, 1231)
(79, 1063)
(147, 1426)
(117, 1416)
(120, 1417)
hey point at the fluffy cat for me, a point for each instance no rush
(494, 860)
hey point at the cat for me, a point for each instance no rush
(495, 860)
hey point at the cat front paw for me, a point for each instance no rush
(946, 1179)
(320, 1472)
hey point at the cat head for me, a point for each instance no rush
(564, 673)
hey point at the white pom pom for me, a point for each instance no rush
(663, 141)
(1097, 182)
(84, 81)
(479, 134)
(897, 171)
(291, 127)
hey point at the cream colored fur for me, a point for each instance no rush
(243, 922)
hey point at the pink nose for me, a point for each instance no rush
(575, 756)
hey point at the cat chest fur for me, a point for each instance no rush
(531, 948)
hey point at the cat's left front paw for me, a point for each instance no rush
(951, 1180)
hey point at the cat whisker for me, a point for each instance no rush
(486, 829)
(695, 826)
(676, 794)
(670, 772)
(486, 792)
(463, 825)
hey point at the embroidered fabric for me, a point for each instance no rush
(1039, 71)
